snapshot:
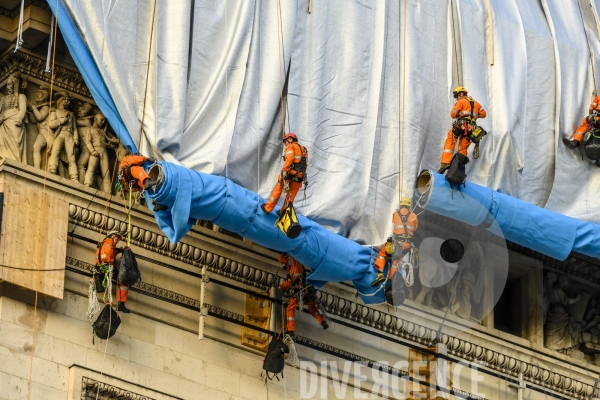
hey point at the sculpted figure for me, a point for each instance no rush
(84, 120)
(97, 143)
(13, 108)
(549, 281)
(591, 320)
(66, 136)
(38, 112)
(561, 331)
(466, 287)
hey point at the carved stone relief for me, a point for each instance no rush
(571, 319)
(459, 289)
(67, 136)
(13, 108)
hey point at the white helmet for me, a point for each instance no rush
(109, 234)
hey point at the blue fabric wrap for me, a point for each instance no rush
(193, 195)
(91, 74)
(542, 230)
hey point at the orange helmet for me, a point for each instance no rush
(290, 135)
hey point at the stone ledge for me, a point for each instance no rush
(472, 353)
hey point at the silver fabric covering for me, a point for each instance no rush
(369, 93)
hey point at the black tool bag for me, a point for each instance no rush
(592, 144)
(395, 293)
(456, 174)
(128, 270)
(275, 359)
(107, 323)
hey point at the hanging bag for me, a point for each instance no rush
(592, 144)
(107, 323)
(275, 359)
(128, 270)
(395, 293)
(288, 222)
(456, 174)
(98, 278)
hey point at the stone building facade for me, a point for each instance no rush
(540, 339)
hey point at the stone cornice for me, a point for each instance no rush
(336, 305)
(181, 251)
(33, 66)
(13, 13)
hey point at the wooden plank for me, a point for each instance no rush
(34, 236)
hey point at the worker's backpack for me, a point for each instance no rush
(456, 174)
(128, 270)
(275, 359)
(592, 144)
(395, 293)
(107, 323)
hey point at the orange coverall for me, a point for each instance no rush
(106, 255)
(137, 171)
(296, 278)
(584, 127)
(293, 155)
(412, 224)
(461, 109)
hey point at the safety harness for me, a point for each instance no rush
(405, 237)
(127, 180)
(298, 169)
(467, 125)
(102, 268)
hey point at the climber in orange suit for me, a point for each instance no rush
(292, 174)
(134, 176)
(399, 244)
(465, 113)
(586, 124)
(105, 256)
(132, 173)
(295, 285)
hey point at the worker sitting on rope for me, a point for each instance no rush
(292, 174)
(587, 124)
(399, 244)
(296, 288)
(133, 175)
(465, 114)
(105, 257)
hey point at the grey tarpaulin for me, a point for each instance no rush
(217, 68)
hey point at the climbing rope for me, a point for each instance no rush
(259, 116)
(20, 29)
(402, 121)
(93, 307)
(293, 359)
(226, 94)
(129, 219)
(147, 75)
(455, 56)
(279, 39)
(49, 55)
(376, 195)
(286, 73)
(109, 292)
(42, 208)
(588, 40)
